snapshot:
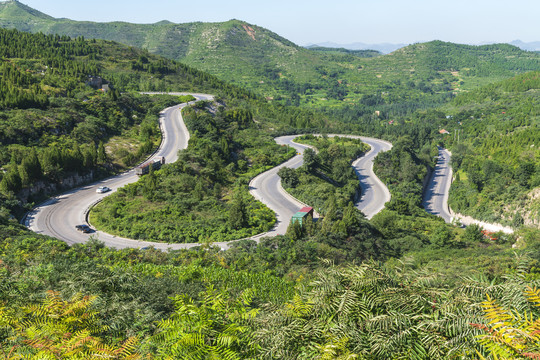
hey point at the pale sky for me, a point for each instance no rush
(340, 21)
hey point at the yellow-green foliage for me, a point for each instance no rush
(58, 329)
(511, 334)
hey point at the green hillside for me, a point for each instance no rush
(70, 109)
(71, 112)
(64, 112)
(359, 53)
(497, 155)
(274, 67)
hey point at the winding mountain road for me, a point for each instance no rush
(58, 216)
(436, 195)
(266, 187)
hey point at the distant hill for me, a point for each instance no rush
(387, 48)
(530, 46)
(234, 50)
(268, 64)
(359, 53)
(384, 48)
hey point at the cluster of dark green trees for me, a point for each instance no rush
(40, 60)
(52, 163)
(404, 169)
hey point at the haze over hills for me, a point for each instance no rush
(530, 46)
(387, 48)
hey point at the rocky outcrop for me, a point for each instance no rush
(42, 188)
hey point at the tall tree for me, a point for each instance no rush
(101, 154)
(310, 160)
(238, 212)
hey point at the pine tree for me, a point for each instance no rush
(224, 144)
(350, 218)
(11, 182)
(238, 213)
(150, 184)
(294, 230)
(31, 161)
(25, 177)
(101, 154)
(309, 225)
(310, 160)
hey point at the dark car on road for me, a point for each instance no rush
(84, 228)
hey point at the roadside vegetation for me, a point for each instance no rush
(140, 303)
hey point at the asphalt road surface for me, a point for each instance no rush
(266, 187)
(58, 216)
(374, 193)
(436, 195)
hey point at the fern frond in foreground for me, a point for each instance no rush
(511, 334)
(58, 329)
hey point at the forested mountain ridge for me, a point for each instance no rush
(276, 68)
(62, 115)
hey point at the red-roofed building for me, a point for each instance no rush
(307, 210)
(302, 214)
(490, 235)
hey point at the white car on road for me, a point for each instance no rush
(102, 189)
